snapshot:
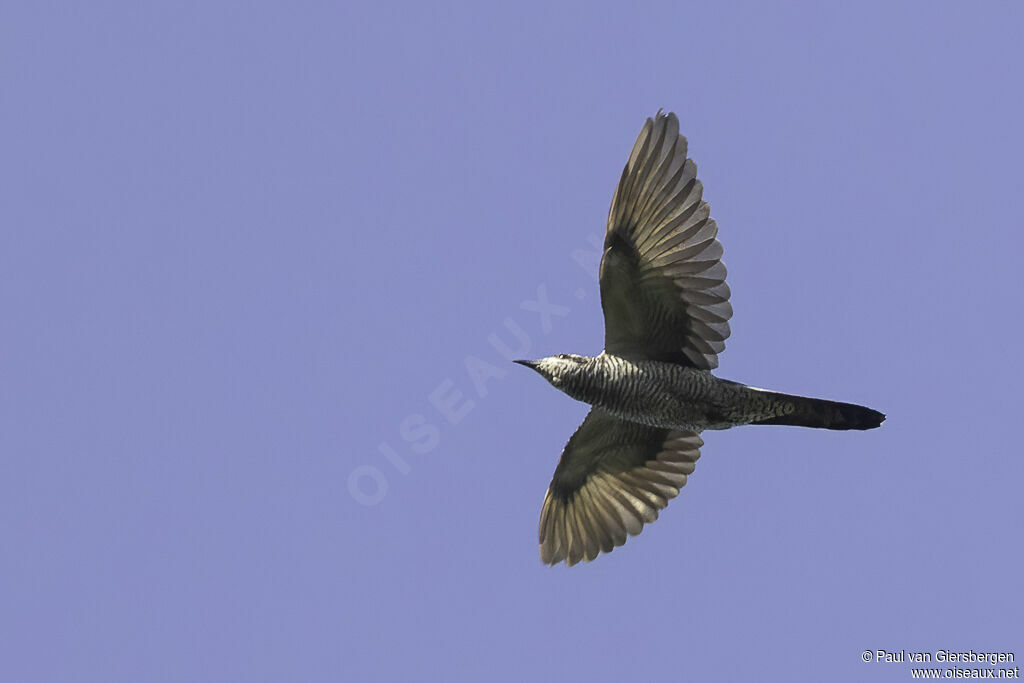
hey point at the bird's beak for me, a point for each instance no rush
(528, 363)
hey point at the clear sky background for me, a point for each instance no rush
(247, 250)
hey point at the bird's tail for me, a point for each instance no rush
(823, 414)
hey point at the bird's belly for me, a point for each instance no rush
(670, 415)
(672, 399)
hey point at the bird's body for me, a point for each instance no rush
(660, 394)
(666, 308)
(672, 396)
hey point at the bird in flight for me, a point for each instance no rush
(666, 319)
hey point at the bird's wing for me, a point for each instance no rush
(663, 285)
(612, 479)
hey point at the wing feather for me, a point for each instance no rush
(613, 478)
(663, 285)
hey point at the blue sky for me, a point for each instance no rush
(254, 257)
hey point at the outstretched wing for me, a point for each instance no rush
(663, 285)
(612, 479)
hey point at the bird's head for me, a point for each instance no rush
(561, 369)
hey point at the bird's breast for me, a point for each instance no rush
(655, 393)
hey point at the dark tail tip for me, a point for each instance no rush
(836, 415)
(822, 414)
(861, 418)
